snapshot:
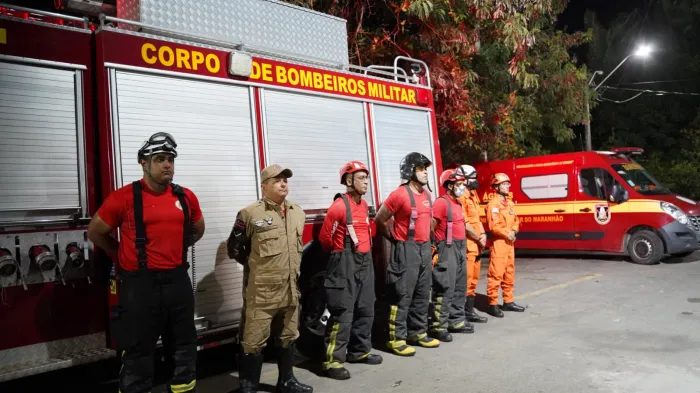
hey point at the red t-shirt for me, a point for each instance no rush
(399, 203)
(440, 215)
(163, 219)
(333, 231)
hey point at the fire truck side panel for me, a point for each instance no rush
(309, 119)
(46, 113)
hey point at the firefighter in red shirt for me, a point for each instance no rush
(349, 282)
(449, 273)
(410, 267)
(158, 221)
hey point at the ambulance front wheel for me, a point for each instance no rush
(645, 247)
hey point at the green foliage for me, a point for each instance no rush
(502, 76)
(678, 170)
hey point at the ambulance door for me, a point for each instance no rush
(545, 209)
(599, 222)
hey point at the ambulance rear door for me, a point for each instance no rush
(599, 223)
(545, 204)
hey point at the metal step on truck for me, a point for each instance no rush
(239, 85)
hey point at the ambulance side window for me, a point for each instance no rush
(597, 182)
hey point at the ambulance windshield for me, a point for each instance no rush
(639, 179)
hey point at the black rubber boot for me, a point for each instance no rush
(287, 382)
(495, 311)
(371, 359)
(512, 307)
(340, 373)
(472, 316)
(467, 328)
(442, 335)
(249, 369)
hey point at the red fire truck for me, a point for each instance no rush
(600, 202)
(80, 95)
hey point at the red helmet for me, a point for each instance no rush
(499, 178)
(450, 175)
(352, 167)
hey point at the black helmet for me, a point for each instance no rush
(410, 162)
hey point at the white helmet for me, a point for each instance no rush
(160, 142)
(467, 171)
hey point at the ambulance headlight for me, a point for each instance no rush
(675, 212)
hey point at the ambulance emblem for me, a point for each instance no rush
(602, 214)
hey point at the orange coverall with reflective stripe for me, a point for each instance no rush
(502, 220)
(470, 206)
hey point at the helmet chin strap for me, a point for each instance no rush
(352, 182)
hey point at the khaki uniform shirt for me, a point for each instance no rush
(269, 241)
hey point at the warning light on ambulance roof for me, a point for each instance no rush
(627, 150)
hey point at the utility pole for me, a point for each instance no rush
(588, 122)
(587, 96)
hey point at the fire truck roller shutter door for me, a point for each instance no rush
(38, 113)
(316, 136)
(209, 121)
(399, 131)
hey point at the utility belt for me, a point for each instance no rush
(155, 274)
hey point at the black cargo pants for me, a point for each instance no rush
(350, 297)
(409, 276)
(449, 286)
(154, 303)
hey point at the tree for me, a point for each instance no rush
(502, 76)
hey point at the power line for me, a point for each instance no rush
(623, 101)
(659, 92)
(658, 82)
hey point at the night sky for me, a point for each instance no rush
(572, 18)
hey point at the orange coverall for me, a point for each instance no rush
(470, 206)
(502, 220)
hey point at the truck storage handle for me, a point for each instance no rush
(586, 210)
(559, 211)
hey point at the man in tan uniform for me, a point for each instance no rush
(267, 240)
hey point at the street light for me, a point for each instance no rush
(643, 51)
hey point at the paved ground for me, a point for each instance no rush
(601, 325)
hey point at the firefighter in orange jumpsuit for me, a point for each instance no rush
(470, 206)
(504, 225)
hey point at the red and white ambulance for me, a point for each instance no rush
(239, 85)
(600, 202)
